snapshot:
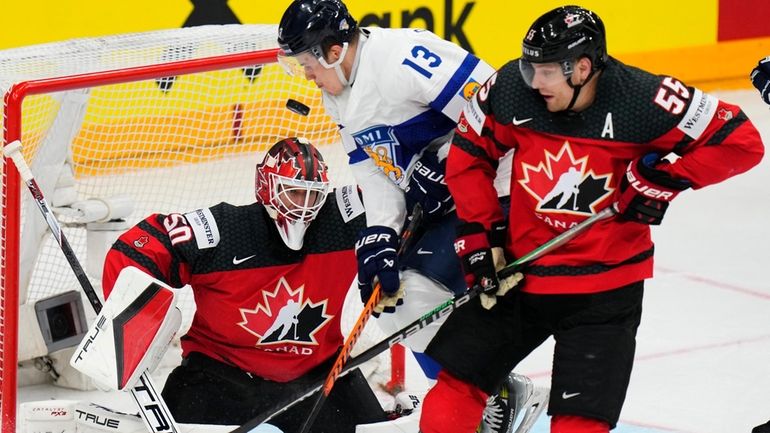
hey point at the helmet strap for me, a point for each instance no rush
(576, 89)
(356, 60)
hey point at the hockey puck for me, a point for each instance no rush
(297, 107)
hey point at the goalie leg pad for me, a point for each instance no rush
(131, 333)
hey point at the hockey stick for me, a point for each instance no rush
(155, 414)
(358, 328)
(426, 319)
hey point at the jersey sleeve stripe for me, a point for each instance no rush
(139, 258)
(176, 280)
(455, 83)
(470, 148)
(728, 128)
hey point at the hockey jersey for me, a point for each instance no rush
(262, 307)
(408, 89)
(568, 167)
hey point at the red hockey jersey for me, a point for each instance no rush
(567, 167)
(262, 307)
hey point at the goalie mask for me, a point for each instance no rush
(292, 184)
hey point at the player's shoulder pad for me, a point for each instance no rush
(204, 227)
(349, 202)
(493, 99)
(674, 104)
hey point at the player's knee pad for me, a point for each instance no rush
(452, 406)
(577, 424)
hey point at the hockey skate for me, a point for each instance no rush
(518, 398)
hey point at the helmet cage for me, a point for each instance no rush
(296, 200)
(292, 183)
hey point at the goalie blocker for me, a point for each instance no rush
(131, 333)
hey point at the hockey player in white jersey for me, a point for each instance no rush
(396, 95)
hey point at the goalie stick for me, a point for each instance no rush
(358, 328)
(428, 318)
(155, 414)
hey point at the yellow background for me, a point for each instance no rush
(664, 36)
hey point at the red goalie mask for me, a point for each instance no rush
(292, 184)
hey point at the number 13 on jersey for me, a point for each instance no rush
(423, 59)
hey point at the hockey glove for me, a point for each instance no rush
(646, 191)
(427, 187)
(760, 77)
(482, 256)
(377, 260)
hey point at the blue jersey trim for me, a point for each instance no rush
(416, 133)
(456, 82)
(357, 155)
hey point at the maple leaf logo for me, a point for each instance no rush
(563, 183)
(284, 316)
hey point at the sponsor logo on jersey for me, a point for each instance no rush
(517, 122)
(469, 89)
(285, 320)
(565, 184)
(349, 202)
(702, 109)
(380, 143)
(204, 226)
(474, 117)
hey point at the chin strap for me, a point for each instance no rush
(576, 89)
(354, 69)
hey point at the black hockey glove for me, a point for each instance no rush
(647, 191)
(428, 187)
(482, 255)
(376, 251)
(760, 77)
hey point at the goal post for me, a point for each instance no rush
(118, 127)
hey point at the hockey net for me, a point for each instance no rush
(167, 121)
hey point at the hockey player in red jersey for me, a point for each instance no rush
(269, 281)
(760, 77)
(588, 132)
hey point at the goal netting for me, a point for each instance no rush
(123, 126)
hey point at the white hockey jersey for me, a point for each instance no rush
(408, 89)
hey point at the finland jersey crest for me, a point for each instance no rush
(381, 144)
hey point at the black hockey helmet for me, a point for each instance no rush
(566, 33)
(310, 24)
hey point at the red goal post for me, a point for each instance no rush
(153, 122)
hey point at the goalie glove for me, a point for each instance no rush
(760, 77)
(482, 256)
(647, 190)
